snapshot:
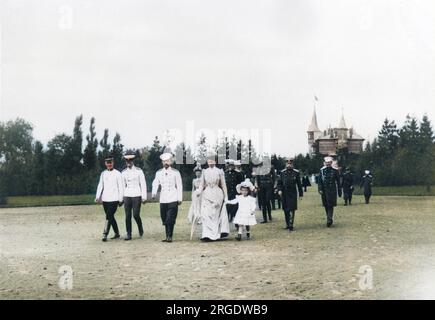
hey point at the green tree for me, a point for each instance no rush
(90, 153)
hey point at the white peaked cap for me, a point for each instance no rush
(166, 156)
(367, 172)
(328, 159)
(237, 163)
(229, 161)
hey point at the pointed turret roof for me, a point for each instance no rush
(342, 124)
(313, 126)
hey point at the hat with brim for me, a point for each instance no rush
(367, 172)
(229, 161)
(166, 156)
(108, 159)
(245, 184)
(129, 157)
(328, 159)
(237, 163)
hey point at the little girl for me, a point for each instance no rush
(245, 216)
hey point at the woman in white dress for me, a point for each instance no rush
(213, 192)
(245, 216)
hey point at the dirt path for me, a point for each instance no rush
(394, 237)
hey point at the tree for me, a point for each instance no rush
(105, 148)
(90, 153)
(118, 151)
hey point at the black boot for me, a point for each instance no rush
(292, 220)
(170, 233)
(116, 236)
(239, 237)
(106, 231)
(128, 237)
(167, 233)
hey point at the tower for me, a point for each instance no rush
(313, 133)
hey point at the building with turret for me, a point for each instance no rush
(329, 141)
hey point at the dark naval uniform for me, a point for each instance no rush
(306, 182)
(276, 196)
(329, 186)
(232, 179)
(265, 184)
(347, 184)
(290, 185)
(366, 183)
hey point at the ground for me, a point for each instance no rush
(393, 239)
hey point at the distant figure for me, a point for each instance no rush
(195, 207)
(264, 184)
(169, 181)
(306, 182)
(135, 193)
(290, 187)
(366, 183)
(232, 179)
(347, 183)
(245, 216)
(110, 192)
(329, 186)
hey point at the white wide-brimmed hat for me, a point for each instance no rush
(245, 184)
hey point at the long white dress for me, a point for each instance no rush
(245, 215)
(214, 215)
(195, 206)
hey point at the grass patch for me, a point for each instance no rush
(401, 191)
(67, 200)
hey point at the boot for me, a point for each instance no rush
(248, 235)
(167, 233)
(106, 230)
(239, 237)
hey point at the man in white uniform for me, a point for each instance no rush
(171, 194)
(135, 193)
(110, 192)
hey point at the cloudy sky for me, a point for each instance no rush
(142, 66)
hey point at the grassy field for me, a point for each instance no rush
(394, 237)
(44, 201)
(401, 191)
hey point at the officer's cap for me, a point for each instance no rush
(367, 172)
(229, 161)
(166, 156)
(237, 163)
(129, 156)
(108, 159)
(328, 159)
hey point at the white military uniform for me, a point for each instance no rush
(134, 183)
(171, 185)
(110, 187)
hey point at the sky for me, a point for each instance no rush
(141, 67)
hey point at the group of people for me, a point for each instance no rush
(219, 197)
(129, 189)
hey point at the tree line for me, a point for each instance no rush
(71, 163)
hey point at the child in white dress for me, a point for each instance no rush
(245, 216)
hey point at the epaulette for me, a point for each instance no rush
(296, 170)
(283, 170)
(323, 168)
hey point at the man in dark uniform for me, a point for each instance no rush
(306, 182)
(232, 179)
(289, 187)
(265, 184)
(275, 196)
(366, 183)
(347, 184)
(329, 186)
